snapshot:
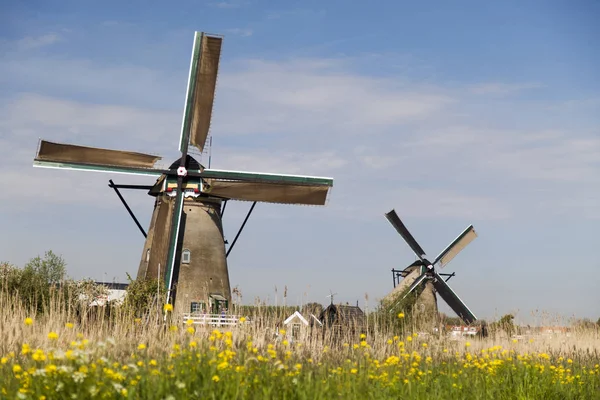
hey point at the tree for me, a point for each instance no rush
(51, 269)
(312, 308)
(506, 324)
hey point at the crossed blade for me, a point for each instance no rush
(451, 251)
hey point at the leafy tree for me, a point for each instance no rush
(51, 268)
(312, 308)
(141, 295)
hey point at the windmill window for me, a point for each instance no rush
(147, 255)
(186, 256)
(197, 307)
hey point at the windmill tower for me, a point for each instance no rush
(185, 246)
(422, 278)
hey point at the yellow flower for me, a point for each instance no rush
(390, 341)
(69, 325)
(173, 328)
(191, 329)
(282, 331)
(467, 344)
(353, 371)
(215, 378)
(28, 321)
(424, 345)
(141, 346)
(53, 336)
(401, 315)
(570, 361)
(285, 342)
(243, 319)
(189, 322)
(409, 338)
(137, 320)
(193, 344)
(168, 307)
(17, 368)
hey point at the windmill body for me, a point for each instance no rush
(422, 278)
(185, 246)
(426, 301)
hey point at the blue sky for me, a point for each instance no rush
(450, 113)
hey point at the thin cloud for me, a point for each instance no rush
(33, 42)
(240, 32)
(227, 4)
(502, 88)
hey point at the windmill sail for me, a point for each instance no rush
(81, 158)
(202, 81)
(269, 192)
(416, 283)
(403, 231)
(455, 303)
(49, 152)
(174, 239)
(466, 237)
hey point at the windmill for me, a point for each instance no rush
(422, 277)
(185, 246)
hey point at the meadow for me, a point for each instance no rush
(62, 354)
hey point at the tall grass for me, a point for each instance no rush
(67, 352)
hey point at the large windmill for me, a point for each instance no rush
(422, 277)
(185, 246)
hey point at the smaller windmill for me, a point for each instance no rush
(422, 275)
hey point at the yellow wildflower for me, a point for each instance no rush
(243, 319)
(191, 329)
(53, 336)
(69, 325)
(141, 346)
(401, 315)
(215, 378)
(28, 321)
(168, 307)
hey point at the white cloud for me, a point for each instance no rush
(240, 32)
(318, 117)
(33, 42)
(500, 88)
(227, 4)
(266, 96)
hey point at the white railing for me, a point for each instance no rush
(211, 319)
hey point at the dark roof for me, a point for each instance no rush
(343, 314)
(190, 163)
(113, 285)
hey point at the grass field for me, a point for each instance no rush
(54, 357)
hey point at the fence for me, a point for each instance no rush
(212, 319)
